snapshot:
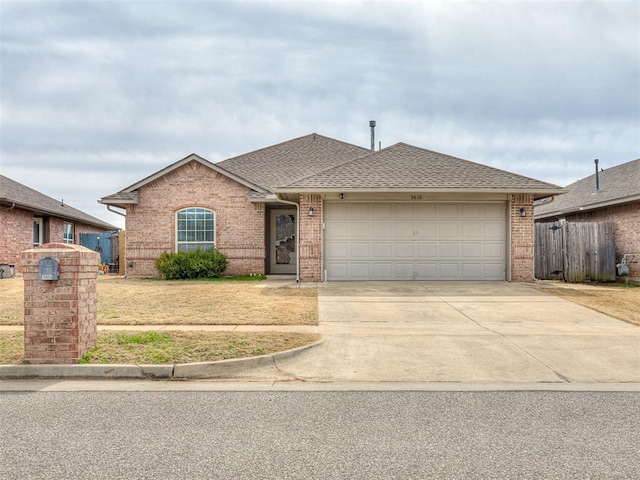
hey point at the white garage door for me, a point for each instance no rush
(415, 241)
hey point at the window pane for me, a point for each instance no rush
(195, 228)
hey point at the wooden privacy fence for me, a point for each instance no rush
(575, 252)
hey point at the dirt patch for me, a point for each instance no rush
(618, 302)
(153, 302)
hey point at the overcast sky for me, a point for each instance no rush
(96, 95)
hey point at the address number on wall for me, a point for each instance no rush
(416, 197)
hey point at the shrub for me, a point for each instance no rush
(194, 264)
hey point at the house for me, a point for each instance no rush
(611, 195)
(30, 218)
(324, 209)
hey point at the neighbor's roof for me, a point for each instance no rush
(16, 195)
(619, 184)
(286, 162)
(405, 167)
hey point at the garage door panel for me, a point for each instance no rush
(471, 250)
(360, 250)
(382, 250)
(381, 230)
(426, 211)
(426, 271)
(359, 270)
(337, 250)
(359, 230)
(382, 271)
(449, 271)
(425, 230)
(470, 211)
(448, 250)
(403, 210)
(359, 210)
(403, 271)
(403, 250)
(402, 230)
(382, 210)
(427, 250)
(492, 271)
(472, 229)
(409, 241)
(448, 230)
(337, 230)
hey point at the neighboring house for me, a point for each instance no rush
(616, 199)
(30, 218)
(328, 210)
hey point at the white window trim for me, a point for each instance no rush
(73, 233)
(40, 222)
(215, 227)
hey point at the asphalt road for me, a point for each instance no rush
(319, 435)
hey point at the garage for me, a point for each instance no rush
(415, 241)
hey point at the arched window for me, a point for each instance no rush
(195, 228)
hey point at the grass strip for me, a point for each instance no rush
(169, 347)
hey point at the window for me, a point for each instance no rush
(67, 233)
(37, 231)
(195, 228)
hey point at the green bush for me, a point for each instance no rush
(195, 264)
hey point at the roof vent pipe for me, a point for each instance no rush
(597, 177)
(372, 124)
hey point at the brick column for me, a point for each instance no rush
(310, 257)
(522, 263)
(59, 315)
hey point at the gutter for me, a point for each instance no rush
(110, 208)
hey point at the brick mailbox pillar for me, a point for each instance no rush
(59, 302)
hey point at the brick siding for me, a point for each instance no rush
(16, 234)
(151, 225)
(522, 263)
(310, 239)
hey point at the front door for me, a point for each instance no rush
(283, 256)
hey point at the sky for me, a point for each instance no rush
(96, 95)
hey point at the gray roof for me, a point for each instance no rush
(286, 162)
(405, 167)
(14, 194)
(318, 163)
(619, 184)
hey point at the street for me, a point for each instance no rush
(319, 435)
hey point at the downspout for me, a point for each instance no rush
(114, 211)
(297, 235)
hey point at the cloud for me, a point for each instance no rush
(118, 90)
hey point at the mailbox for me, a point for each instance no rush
(48, 269)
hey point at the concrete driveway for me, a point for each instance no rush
(494, 332)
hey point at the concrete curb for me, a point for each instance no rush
(222, 369)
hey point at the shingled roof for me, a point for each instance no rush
(619, 184)
(405, 167)
(16, 195)
(287, 162)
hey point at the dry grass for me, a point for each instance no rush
(153, 302)
(618, 302)
(169, 347)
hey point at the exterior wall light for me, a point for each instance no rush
(311, 211)
(523, 212)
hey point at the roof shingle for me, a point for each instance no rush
(617, 184)
(23, 197)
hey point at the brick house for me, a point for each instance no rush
(30, 218)
(323, 209)
(613, 197)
